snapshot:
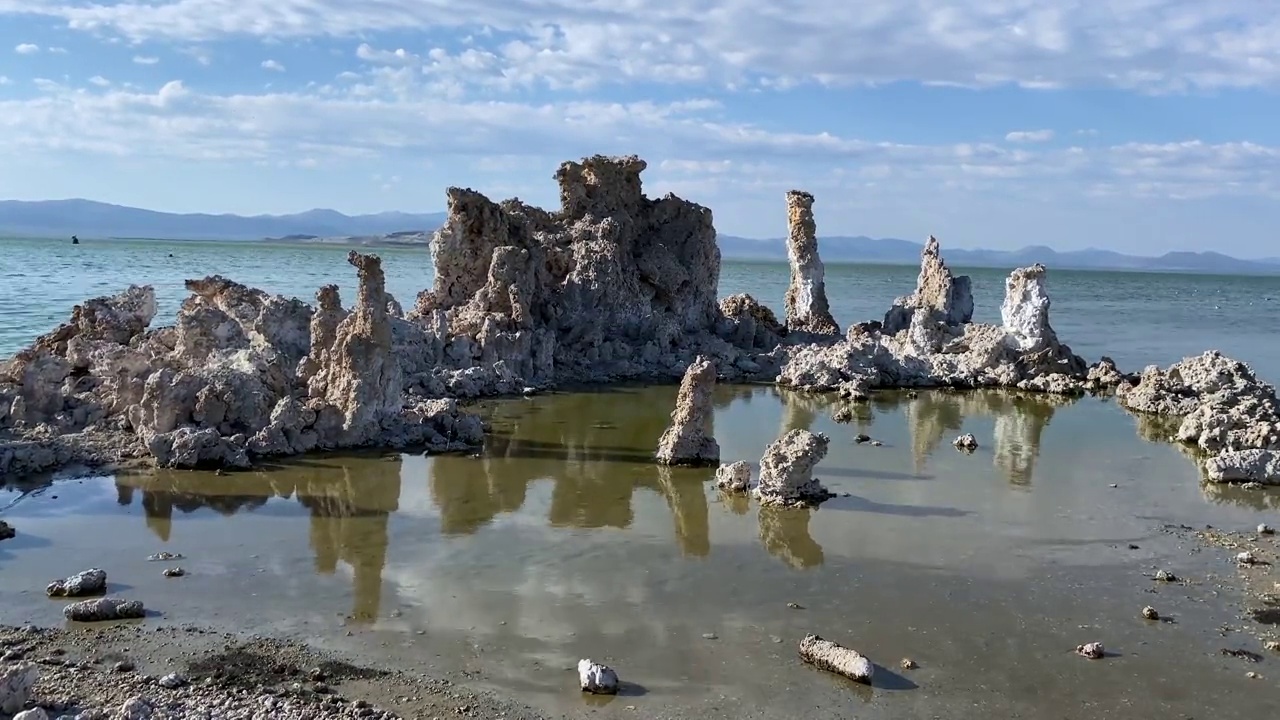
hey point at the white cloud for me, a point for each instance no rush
(272, 65)
(145, 60)
(58, 50)
(4, 80)
(100, 81)
(693, 150)
(1029, 136)
(26, 49)
(1040, 44)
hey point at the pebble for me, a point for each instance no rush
(908, 664)
(164, 556)
(173, 681)
(123, 666)
(1265, 529)
(1166, 576)
(709, 636)
(174, 572)
(1150, 613)
(1273, 645)
(1246, 558)
(1093, 650)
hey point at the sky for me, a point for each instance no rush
(1136, 125)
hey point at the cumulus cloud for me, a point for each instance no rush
(145, 59)
(1151, 44)
(27, 49)
(1029, 136)
(693, 149)
(100, 81)
(272, 65)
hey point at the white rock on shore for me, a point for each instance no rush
(832, 657)
(596, 678)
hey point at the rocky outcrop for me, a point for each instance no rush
(1226, 412)
(86, 582)
(806, 299)
(786, 470)
(688, 440)
(240, 374)
(946, 298)
(734, 477)
(1022, 353)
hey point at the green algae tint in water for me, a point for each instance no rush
(563, 540)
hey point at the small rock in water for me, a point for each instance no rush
(1253, 675)
(709, 636)
(173, 681)
(1166, 576)
(861, 438)
(734, 477)
(908, 664)
(1150, 613)
(174, 572)
(1272, 645)
(596, 678)
(1246, 558)
(529, 391)
(161, 556)
(1093, 650)
(104, 609)
(1265, 529)
(966, 442)
(795, 606)
(86, 582)
(6, 530)
(876, 443)
(1242, 654)
(1251, 486)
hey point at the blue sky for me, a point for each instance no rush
(1139, 125)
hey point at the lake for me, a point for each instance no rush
(562, 540)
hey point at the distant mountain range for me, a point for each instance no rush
(89, 219)
(904, 252)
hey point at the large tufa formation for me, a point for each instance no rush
(931, 351)
(241, 374)
(806, 299)
(1226, 412)
(946, 298)
(786, 470)
(612, 285)
(688, 440)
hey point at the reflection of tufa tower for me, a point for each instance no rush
(596, 450)
(350, 508)
(785, 534)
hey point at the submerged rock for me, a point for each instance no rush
(86, 582)
(807, 309)
(7, 531)
(688, 440)
(596, 678)
(734, 477)
(786, 470)
(1093, 650)
(966, 442)
(942, 296)
(100, 609)
(832, 657)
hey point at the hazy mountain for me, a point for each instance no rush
(890, 250)
(88, 219)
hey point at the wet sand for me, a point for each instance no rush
(564, 541)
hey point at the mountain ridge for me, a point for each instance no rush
(89, 218)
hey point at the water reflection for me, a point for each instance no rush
(349, 503)
(577, 461)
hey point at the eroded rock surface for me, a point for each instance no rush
(688, 440)
(102, 609)
(946, 298)
(786, 470)
(16, 682)
(86, 582)
(734, 477)
(833, 657)
(1023, 352)
(807, 309)
(1226, 412)
(240, 374)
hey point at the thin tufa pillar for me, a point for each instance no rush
(806, 301)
